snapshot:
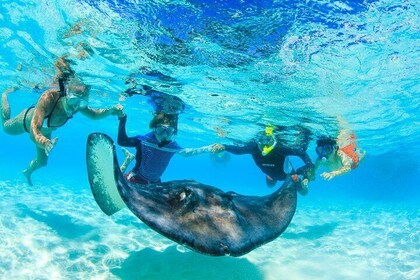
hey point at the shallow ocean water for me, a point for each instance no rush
(238, 65)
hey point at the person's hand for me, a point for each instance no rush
(118, 111)
(217, 148)
(50, 145)
(328, 175)
(63, 63)
(295, 178)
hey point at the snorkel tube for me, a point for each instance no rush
(267, 149)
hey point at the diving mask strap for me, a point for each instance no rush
(69, 112)
(61, 86)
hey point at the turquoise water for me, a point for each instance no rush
(239, 65)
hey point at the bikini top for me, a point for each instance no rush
(47, 117)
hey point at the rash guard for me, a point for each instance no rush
(152, 160)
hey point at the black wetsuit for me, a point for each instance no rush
(272, 164)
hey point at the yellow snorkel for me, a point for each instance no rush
(269, 131)
(266, 148)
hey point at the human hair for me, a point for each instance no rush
(326, 141)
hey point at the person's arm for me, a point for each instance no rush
(195, 151)
(97, 114)
(123, 139)
(308, 170)
(247, 148)
(62, 66)
(44, 105)
(345, 161)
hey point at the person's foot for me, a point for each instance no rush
(28, 177)
(132, 91)
(10, 90)
(129, 157)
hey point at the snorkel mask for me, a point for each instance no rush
(164, 133)
(324, 151)
(325, 147)
(266, 141)
(77, 99)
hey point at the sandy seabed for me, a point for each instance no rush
(54, 232)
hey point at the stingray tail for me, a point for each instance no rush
(101, 162)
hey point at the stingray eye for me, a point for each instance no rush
(184, 194)
(183, 198)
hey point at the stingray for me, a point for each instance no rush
(197, 216)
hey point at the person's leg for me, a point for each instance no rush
(128, 158)
(11, 126)
(40, 161)
(5, 107)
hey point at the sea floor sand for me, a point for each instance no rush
(54, 232)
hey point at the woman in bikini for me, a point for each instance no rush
(53, 109)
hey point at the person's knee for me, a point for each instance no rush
(12, 127)
(7, 127)
(41, 162)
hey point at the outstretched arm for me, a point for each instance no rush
(308, 170)
(97, 114)
(345, 161)
(247, 148)
(195, 151)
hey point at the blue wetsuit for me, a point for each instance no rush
(151, 161)
(272, 164)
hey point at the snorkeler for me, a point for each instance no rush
(154, 150)
(271, 157)
(53, 109)
(160, 101)
(338, 155)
